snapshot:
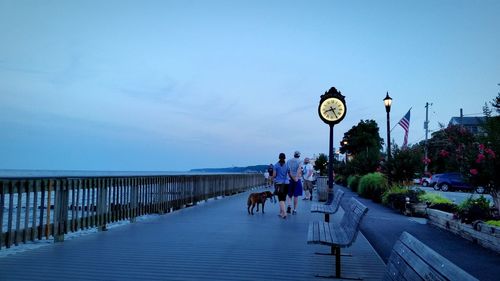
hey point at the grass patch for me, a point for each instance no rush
(494, 223)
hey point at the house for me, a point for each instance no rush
(473, 124)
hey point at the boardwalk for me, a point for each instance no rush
(215, 240)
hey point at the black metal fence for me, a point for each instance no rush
(43, 208)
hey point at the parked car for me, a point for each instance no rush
(455, 181)
(422, 180)
(433, 180)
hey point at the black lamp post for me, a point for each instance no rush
(344, 143)
(388, 103)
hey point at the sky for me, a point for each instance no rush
(175, 85)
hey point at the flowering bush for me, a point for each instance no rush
(482, 168)
(474, 209)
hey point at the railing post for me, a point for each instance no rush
(101, 204)
(133, 200)
(60, 209)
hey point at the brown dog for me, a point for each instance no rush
(256, 199)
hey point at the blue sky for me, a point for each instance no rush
(175, 85)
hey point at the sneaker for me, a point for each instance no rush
(288, 209)
(294, 212)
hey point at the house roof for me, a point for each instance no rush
(467, 121)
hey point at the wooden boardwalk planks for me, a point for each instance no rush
(216, 240)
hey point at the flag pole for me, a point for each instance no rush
(400, 120)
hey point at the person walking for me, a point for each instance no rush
(266, 177)
(270, 170)
(281, 181)
(308, 177)
(295, 187)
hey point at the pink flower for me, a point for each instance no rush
(490, 152)
(443, 153)
(473, 172)
(481, 146)
(480, 158)
(426, 160)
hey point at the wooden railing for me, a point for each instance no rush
(43, 208)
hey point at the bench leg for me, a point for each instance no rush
(332, 252)
(338, 274)
(327, 217)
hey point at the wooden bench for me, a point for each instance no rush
(329, 208)
(412, 260)
(338, 235)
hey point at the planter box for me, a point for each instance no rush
(416, 209)
(485, 235)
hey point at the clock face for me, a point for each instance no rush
(332, 109)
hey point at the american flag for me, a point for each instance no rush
(405, 123)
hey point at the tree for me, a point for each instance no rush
(496, 103)
(486, 165)
(359, 137)
(363, 143)
(406, 162)
(321, 164)
(451, 149)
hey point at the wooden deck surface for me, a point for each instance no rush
(215, 240)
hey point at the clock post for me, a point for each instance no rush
(330, 166)
(332, 109)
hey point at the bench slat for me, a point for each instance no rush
(341, 234)
(412, 260)
(328, 234)
(425, 271)
(330, 208)
(435, 260)
(393, 274)
(322, 236)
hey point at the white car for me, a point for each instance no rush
(422, 181)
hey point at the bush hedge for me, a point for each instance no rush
(395, 197)
(494, 223)
(438, 202)
(433, 198)
(474, 209)
(372, 186)
(445, 207)
(353, 182)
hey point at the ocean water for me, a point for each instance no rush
(7, 173)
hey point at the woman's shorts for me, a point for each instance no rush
(281, 190)
(295, 189)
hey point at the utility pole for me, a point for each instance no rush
(426, 127)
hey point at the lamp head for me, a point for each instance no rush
(387, 102)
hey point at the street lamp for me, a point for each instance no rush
(344, 144)
(388, 103)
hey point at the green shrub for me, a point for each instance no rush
(395, 197)
(438, 202)
(340, 179)
(372, 186)
(474, 209)
(494, 223)
(433, 198)
(445, 207)
(353, 182)
(391, 193)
